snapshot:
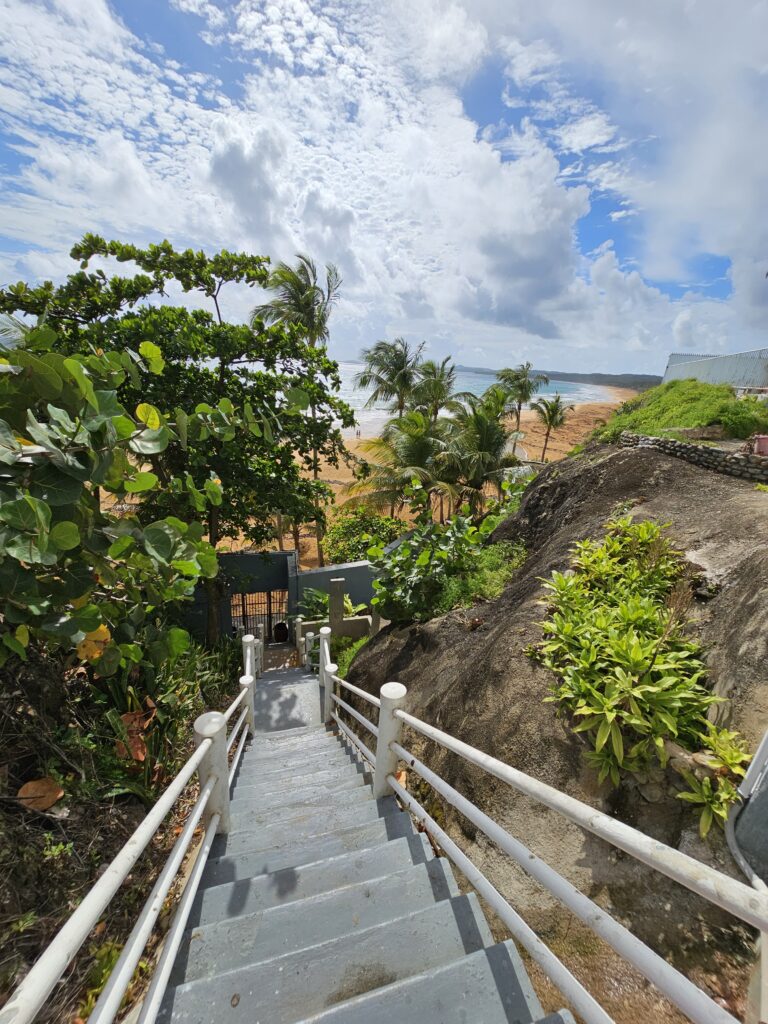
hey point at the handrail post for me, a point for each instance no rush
(213, 726)
(306, 656)
(258, 667)
(392, 697)
(324, 654)
(248, 642)
(330, 671)
(248, 683)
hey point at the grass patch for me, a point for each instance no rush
(492, 568)
(687, 404)
(343, 651)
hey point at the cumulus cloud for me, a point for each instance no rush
(347, 135)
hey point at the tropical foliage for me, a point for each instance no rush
(553, 413)
(350, 525)
(264, 377)
(392, 372)
(520, 384)
(435, 567)
(630, 679)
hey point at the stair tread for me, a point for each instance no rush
(310, 821)
(284, 779)
(490, 986)
(278, 931)
(285, 990)
(242, 800)
(245, 813)
(277, 888)
(325, 844)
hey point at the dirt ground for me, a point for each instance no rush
(469, 673)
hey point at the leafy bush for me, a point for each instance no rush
(413, 577)
(347, 538)
(490, 570)
(628, 675)
(314, 604)
(687, 404)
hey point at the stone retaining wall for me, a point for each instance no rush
(748, 467)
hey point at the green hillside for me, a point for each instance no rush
(686, 404)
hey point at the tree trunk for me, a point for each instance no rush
(546, 442)
(296, 530)
(442, 511)
(279, 531)
(518, 409)
(212, 586)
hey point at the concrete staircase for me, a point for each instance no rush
(323, 904)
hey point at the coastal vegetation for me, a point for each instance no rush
(688, 404)
(631, 680)
(461, 447)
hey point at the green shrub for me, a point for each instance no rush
(491, 569)
(413, 577)
(343, 651)
(687, 404)
(629, 678)
(314, 604)
(348, 536)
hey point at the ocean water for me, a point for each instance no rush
(370, 421)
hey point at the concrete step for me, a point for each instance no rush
(247, 815)
(311, 848)
(233, 899)
(333, 751)
(490, 986)
(280, 931)
(291, 739)
(307, 823)
(288, 797)
(281, 784)
(286, 778)
(290, 988)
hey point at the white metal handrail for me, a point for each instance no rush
(356, 714)
(237, 726)
(728, 893)
(212, 805)
(682, 992)
(111, 997)
(356, 690)
(748, 904)
(581, 1000)
(355, 740)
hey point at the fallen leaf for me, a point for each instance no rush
(402, 778)
(40, 794)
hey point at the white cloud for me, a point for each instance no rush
(348, 137)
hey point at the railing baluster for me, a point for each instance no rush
(392, 696)
(213, 726)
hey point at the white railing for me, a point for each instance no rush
(748, 904)
(215, 772)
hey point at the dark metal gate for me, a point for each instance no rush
(265, 607)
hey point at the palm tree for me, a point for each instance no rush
(434, 388)
(13, 331)
(553, 413)
(477, 448)
(301, 301)
(521, 385)
(408, 448)
(392, 370)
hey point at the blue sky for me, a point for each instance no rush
(581, 185)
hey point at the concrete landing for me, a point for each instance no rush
(287, 699)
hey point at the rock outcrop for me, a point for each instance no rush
(468, 672)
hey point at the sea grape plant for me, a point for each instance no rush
(80, 567)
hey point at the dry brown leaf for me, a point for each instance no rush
(40, 794)
(402, 778)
